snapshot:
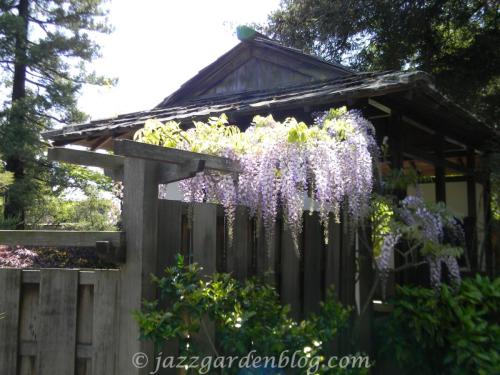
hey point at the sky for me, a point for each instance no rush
(157, 46)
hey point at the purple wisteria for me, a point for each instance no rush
(282, 163)
(438, 235)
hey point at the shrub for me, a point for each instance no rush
(247, 316)
(445, 331)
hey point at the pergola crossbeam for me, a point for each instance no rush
(173, 156)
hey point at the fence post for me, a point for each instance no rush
(140, 205)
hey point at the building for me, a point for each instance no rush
(425, 130)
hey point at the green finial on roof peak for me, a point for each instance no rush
(245, 32)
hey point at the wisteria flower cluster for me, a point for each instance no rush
(438, 234)
(282, 163)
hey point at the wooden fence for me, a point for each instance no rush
(58, 321)
(65, 322)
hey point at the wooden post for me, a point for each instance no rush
(440, 171)
(397, 149)
(488, 246)
(471, 208)
(140, 204)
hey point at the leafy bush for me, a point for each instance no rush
(445, 331)
(247, 316)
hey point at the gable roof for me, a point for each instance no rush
(256, 63)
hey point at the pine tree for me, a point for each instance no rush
(45, 49)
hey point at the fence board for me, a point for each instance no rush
(10, 281)
(204, 250)
(290, 289)
(238, 253)
(85, 314)
(169, 233)
(332, 256)
(348, 265)
(205, 253)
(313, 255)
(57, 322)
(106, 294)
(58, 238)
(333, 270)
(169, 244)
(266, 252)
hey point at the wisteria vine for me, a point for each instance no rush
(431, 229)
(282, 163)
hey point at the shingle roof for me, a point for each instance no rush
(352, 86)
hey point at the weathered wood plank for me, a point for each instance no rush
(33, 277)
(176, 172)
(333, 271)
(140, 204)
(87, 158)
(266, 251)
(204, 236)
(238, 253)
(169, 233)
(58, 238)
(332, 256)
(313, 255)
(204, 252)
(169, 245)
(30, 349)
(290, 289)
(105, 321)
(348, 264)
(10, 281)
(170, 155)
(366, 281)
(84, 315)
(28, 323)
(57, 322)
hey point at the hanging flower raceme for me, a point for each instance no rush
(438, 234)
(282, 162)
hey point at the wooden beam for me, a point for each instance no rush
(87, 158)
(173, 156)
(59, 238)
(99, 142)
(415, 153)
(177, 172)
(379, 106)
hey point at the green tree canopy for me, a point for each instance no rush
(46, 47)
(456, 41)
